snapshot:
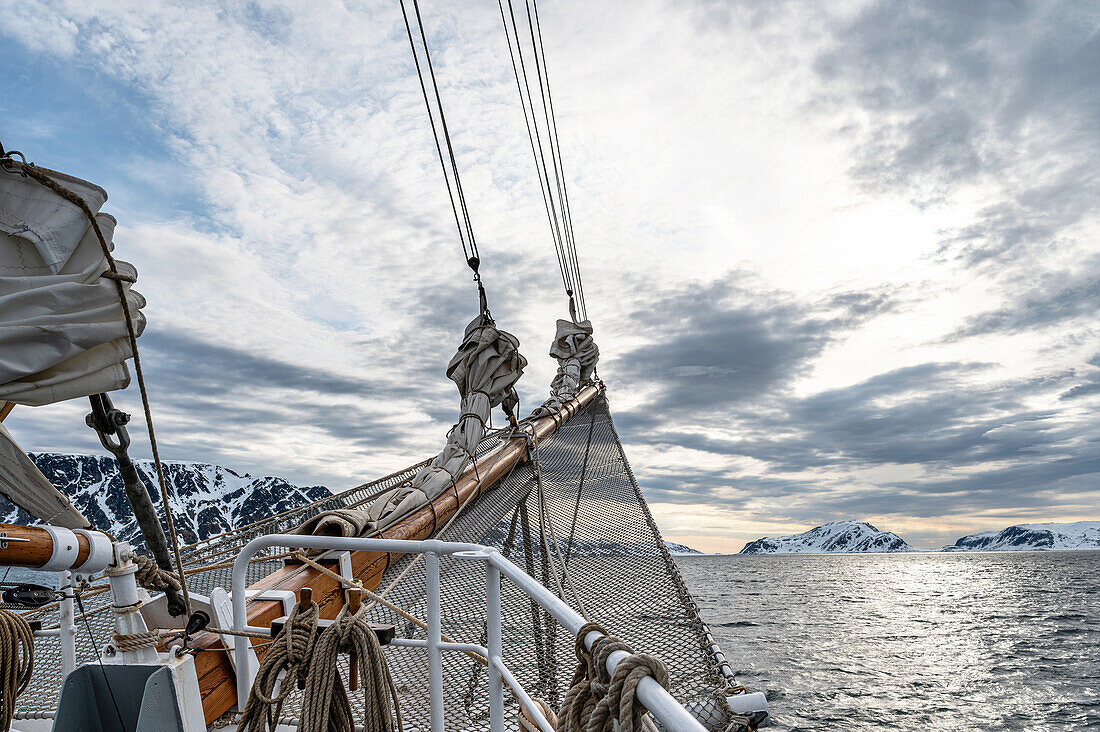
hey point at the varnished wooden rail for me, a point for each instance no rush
(217, 682)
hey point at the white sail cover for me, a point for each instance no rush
(62, 329)
(22, 483)
(485, 369)
(577, 356)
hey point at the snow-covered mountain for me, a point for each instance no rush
(679, 550)
(209, 500)
(1078, 535)
(839, 537)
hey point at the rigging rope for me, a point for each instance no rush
(547, 527)
(45, 180)
(16, 662)
(448, 163)
(555, 194)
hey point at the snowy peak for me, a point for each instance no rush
(209, 499)
(840, 537)
(1023, 537)
(679, 550)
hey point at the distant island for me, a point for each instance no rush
(679, 550)
(860, 537)
(1023, 537)
(839, 537)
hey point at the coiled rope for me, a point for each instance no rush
(291, 654)
(597, 699)
(326, 707)
(152, 577)
(527, 723)
(16, 662)
(620, 703)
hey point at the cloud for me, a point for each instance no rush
(1062, 298)
(960, 94)
(732, 342)
(840, 259)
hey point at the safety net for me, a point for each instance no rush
(620, 575)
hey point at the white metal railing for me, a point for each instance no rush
(659, 702)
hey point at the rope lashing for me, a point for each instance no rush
(16, 662)
(581, 699)
(124, 642)
(326, 707)
(527, 723)
(289, 656)
(620, 703)
(150, 575)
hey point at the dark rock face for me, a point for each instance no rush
(761, 546)
(1071, 536)
(209, 499)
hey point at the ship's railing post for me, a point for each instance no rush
(496, 647)
(67, 624)
(435, 633)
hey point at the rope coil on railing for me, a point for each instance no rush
(326, 707)
(16, 662)
(596, 698)
(290, 655)
(527, 723)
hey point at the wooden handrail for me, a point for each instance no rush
(217, 682)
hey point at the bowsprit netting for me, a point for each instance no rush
(616, 560)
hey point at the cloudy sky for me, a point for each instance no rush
(841, 257)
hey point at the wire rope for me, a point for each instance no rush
(448, 161)
(545, 142)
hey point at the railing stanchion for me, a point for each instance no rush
(435, 630)
(495, 648)
(67, 624)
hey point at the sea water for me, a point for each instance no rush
(920, 642)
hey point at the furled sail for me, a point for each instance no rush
(577, 355)
(22, 483)
(485, 369)
(62, 329)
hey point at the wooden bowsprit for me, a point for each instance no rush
(217, 681)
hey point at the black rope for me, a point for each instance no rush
(456, 195)
(561, 166)
(554, 192)
(580, 488)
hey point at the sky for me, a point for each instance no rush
(841, 258)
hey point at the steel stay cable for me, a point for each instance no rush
(446, 132)
(535, 138)
(524, 101)
(549, 103)
(555, 155)
(555, 195)
(465, 227)
(435, 135)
